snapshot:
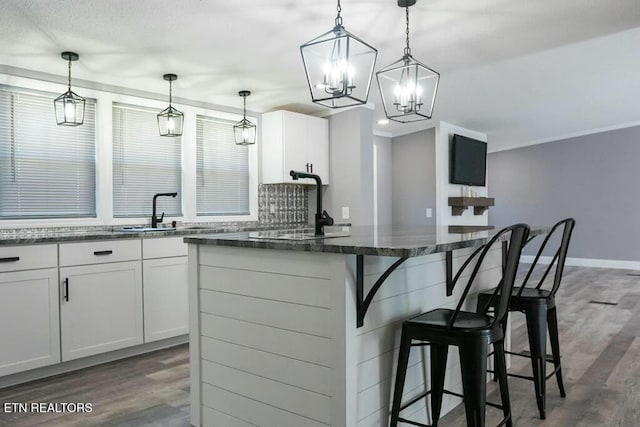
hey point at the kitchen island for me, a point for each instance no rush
(285, 331)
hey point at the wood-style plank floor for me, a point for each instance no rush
(147, 390)
(600, 345)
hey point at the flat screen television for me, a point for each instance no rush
(468, 161)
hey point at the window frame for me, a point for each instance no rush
(138, 106)
(47, 97)
(190, 174)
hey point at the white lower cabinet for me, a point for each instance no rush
(29, 322)
(100, 308)
(166, 298)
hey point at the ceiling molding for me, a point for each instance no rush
(563, 137)
(383, 134)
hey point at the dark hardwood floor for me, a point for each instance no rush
(600, 346)
(148, 390)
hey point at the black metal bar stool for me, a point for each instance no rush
(539, 307)
(471, 333)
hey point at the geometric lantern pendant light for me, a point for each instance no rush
(69, 106)
(408, 87)
(244, 131)
(339, 67)
(170, 120)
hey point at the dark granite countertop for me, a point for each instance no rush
(28, 237)
(385, 240)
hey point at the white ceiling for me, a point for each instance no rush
(520, 71)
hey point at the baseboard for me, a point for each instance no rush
(98, 359)
(587, 262)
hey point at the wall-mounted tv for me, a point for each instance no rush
(468, 161)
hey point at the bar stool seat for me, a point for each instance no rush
(530, 293)
(465, 322)
(472, 333)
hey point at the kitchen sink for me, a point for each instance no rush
(279, 235)
(143, 229)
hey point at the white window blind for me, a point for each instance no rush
(144, 163)
(222, 169)
(46, 170)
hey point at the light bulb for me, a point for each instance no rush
(337, 77)
(245, 134)
(408, 95)
(170, 125)
(69, 111)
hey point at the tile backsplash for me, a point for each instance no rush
(282, 204)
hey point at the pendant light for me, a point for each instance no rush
(408, 87)
(69, 106)
(244, 131)
(170, 120)
(339, 67)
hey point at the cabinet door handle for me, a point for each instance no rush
(311, 167)
(66, 289)
(307, 167)
(103, 252)
(10, 259)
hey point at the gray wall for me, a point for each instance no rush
(414, 178)
(384, 179)
(351, 167)
(593, 178)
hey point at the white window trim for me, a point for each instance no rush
(104, 166)
(190, 174)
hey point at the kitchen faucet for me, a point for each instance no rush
(154, 219)
(322, 217)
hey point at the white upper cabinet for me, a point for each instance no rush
(293, 141)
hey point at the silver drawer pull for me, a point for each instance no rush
(103, 252)
(10, 259)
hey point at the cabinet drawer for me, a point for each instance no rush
(99, 252)
(14, 258)
(163, 247)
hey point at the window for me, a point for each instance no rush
(222, 169)
(144, 163)
(46, 170)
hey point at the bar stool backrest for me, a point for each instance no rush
(518, 237)
(560, 256)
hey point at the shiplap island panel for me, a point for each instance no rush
(274, 340)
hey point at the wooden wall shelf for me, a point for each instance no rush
(470, 228)
(480, 204)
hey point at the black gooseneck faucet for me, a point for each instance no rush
(322, 217)
(154, 219)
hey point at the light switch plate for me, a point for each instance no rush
(429, 213)
(345, 212)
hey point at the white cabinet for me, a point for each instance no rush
(166, 293)
(100, 303)
(29, 314)
(29, 322)
(293, 141)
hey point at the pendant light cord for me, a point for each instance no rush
(338, 17)
(69, 74)
(170, 92)
(244, 114)
(407, 50)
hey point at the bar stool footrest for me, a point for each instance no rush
(415, 423)
(526, 354)
(444, 391)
